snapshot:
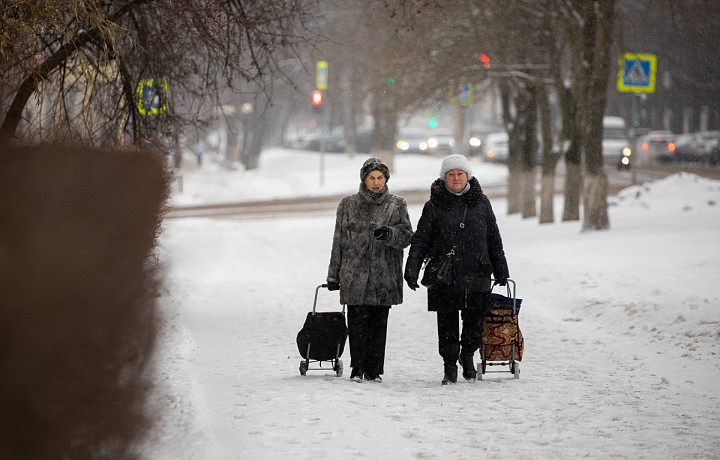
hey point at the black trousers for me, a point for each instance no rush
(367, 332)
(472, 310)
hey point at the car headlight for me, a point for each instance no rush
(423, 146)
(432, 143)
(402, 145)
(475, 142)
(627, 152)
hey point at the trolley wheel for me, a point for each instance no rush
(515, 368)
(303, 367)
(338, 368)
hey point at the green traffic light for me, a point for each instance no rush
(391, 81)
(432, 123)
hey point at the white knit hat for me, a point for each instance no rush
(455, 162)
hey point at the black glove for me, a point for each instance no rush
(381, 233)
(500, 281)
(411, 280)
(333, 286)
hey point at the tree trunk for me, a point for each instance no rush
(573, 186)
(529, 153)
(595, 215)
(529, 194)
(514, 174)
(256, 130)
(514, 145)
(385, 128)
(549, 160)
(547, 195)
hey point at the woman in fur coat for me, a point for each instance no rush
(371, 230)
(458, 218)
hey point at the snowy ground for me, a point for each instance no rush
(622, 332)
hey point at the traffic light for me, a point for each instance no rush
(485, 59)
(432, 123)
(317, 98)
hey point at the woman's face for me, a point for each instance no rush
(456, 180)
(375, 181)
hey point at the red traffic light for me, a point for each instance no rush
(485, 60)
(317, 98)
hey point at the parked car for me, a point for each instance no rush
(333, 141)
(707, 147)
(657, 147)
(441, 142)
(616, 145)
(411, 141)
(495, 147)
(685, 147)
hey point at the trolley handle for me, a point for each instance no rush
(510, 293)
(316, 296)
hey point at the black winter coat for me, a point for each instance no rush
(478, 247)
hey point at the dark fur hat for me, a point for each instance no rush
(374, 164)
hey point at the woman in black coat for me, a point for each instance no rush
(456, 198)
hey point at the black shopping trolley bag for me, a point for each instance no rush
(324, 332)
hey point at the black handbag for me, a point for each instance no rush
(438, 270)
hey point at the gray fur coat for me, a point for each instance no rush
(370, 271)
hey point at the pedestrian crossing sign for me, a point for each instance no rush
(463, 93)
(636, 73)
(152, 96)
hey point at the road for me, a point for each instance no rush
(617, 180)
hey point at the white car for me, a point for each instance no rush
(441, 142)
(411, 141)
(657, 147)
(616, 146)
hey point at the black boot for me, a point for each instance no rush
(450, 376)
(356, 374)
(469, 371)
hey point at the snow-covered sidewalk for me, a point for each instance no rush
(622, 333)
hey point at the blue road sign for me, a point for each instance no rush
(636, 73)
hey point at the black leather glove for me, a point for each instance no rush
(381, 233)
(333, 286)
(500, 281)
(411, 280)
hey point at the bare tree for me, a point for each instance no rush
(106, 48)
(581, 36)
